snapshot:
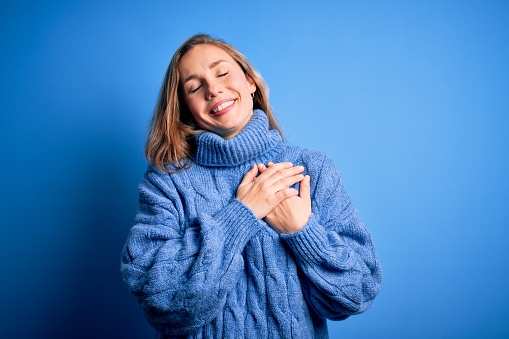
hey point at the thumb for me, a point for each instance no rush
(305, 189)
(250, 175)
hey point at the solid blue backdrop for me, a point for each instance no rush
(410, 99)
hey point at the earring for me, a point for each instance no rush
(252, 95)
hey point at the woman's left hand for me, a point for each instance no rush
(293, 213)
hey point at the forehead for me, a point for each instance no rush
(201, 57)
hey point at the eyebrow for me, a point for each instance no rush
(212, 65)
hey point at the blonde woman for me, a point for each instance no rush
(237, 234)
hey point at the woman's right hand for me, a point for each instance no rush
(263, 192)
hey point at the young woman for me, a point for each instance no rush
(239, 235)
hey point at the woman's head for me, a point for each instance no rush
(204, 74)
(215, 90)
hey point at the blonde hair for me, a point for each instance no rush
(172, 129)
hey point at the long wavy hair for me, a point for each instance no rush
(172, 128)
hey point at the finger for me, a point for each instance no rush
(277, 167)
(285, 194)
(285, 177)
(262, 167)
(286, 182)
(305, 189)
(250, 175)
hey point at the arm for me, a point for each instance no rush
(341, 273)
(181, 270)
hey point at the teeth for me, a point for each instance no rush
(222, 106)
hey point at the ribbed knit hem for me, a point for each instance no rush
(238, 224)
(310, 243)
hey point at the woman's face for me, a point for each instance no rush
(216, 90)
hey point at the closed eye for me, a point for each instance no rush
(196, 89)
(222, 74)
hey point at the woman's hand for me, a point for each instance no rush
(262, 193)
(293, 213)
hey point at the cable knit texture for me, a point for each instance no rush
(201, 265)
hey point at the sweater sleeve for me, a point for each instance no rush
(181, 270)
(341, 273)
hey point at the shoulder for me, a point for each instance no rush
(314, 161)
(154, 175)
(155, 182)
(174, 181)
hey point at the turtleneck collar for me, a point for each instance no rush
(254, 140)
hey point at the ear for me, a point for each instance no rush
(250, 84)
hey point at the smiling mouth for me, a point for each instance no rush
(221, 107)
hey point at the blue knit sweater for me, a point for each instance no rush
(202, 265)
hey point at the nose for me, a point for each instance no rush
(213, 89)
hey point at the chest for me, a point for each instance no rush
(206, 191)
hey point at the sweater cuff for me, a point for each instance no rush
(238, 224)
(310, 243)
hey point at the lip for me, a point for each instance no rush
(223, 111)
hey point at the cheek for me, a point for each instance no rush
(193, 106)
(240, 82)
(196, 110)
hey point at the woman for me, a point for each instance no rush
(237, 234)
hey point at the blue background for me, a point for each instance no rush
(410, 99)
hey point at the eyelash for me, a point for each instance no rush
(220, 75)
